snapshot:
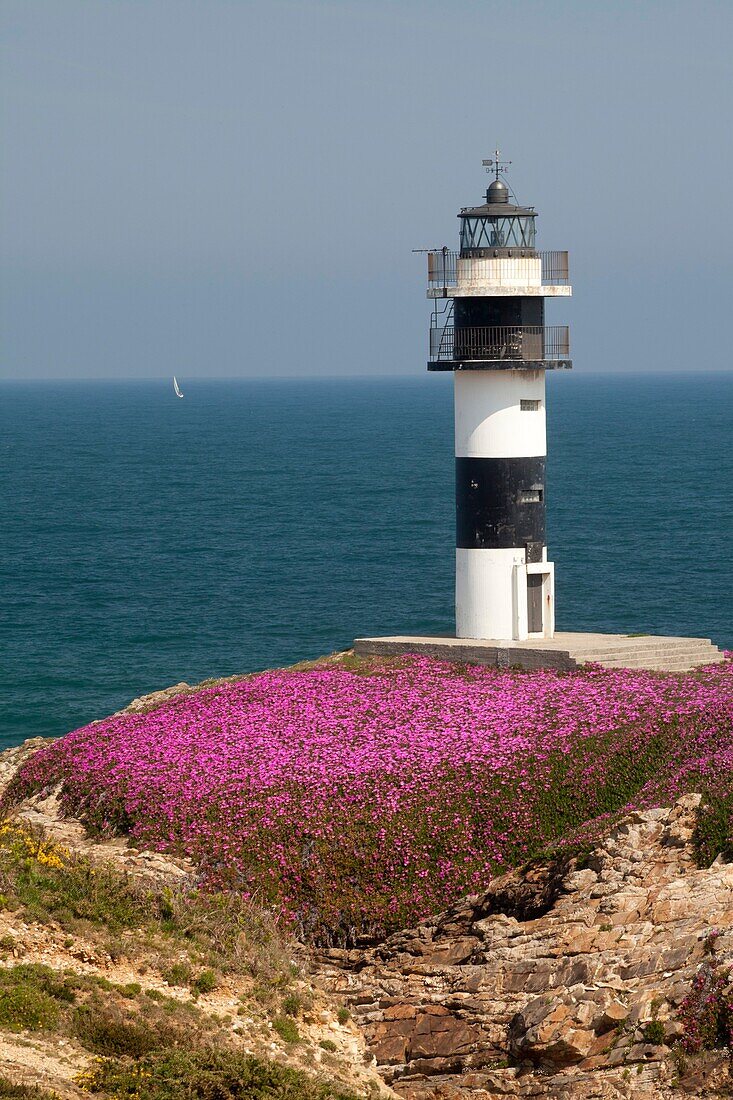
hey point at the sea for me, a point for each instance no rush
(148, 540)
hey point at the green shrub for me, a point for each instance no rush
(9, 1091)
(178, 974)
(712, 836)
(61, 985)
(654, 1032)
(131, 989)
(111, 1025)
(205, 982)
(105, 1032)
(73, 892)
(209, 1075)
(228, 932)
(155, 995)
(32, 995)
(27, 1008)
(286, 1029)
(343, 1015)
(292, 1005)
(328, 1044)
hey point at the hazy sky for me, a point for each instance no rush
(230, 188)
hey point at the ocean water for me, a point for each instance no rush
(147, 540)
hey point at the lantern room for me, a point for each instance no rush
(497, 228)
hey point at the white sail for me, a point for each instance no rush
(175, 387)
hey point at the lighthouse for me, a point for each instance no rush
(488, 328)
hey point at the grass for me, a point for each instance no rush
(217, 932)
(146, 1043)
(205, 982)
(209, 1075)
(105, 1018)
(654, 1032)
(292, 1005)
(9, 1091)
(287, 1029)
(712, 835)
(154, 1047)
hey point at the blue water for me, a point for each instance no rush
(147, 540)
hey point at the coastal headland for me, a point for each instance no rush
(378, 874)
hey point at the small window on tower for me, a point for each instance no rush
(530, 496)
(528, 405)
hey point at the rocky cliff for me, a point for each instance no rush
(567, 980)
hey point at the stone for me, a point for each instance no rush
(549, 978)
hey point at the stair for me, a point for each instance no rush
(654, 653)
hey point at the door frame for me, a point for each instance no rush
(546, 569)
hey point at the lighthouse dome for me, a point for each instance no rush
(497, 192)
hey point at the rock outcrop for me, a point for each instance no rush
(562, 981)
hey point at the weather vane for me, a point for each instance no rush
(497, 164)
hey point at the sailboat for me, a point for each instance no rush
(175, 387)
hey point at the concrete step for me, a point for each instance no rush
(650, 652)
(644, 651)
(643, 644)
(660, 663)
(665, 666)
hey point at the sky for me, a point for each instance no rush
(233, 188)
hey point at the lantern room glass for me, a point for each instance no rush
(497, 232)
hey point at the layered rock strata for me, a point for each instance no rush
(562, 981)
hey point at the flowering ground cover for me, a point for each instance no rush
(355, 801)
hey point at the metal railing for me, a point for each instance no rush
(500, 342)
(443, 268)
(555, 267)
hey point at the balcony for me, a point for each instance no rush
(496, 346)
(453, 275)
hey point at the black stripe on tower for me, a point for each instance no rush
(500, 502)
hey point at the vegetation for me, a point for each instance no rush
(208, 1075)
(354, 796)
(349, 798)
(707, 1011)
(104, 1017)
(286, 1028)
(219, 933)
(146, 1043)
(654, 1032)
(10, 1091)
(713, 833)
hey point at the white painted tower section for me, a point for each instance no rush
(491, 419)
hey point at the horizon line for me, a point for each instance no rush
(166, 378)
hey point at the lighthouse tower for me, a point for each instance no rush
(488, 327)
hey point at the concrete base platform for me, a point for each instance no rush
(565, 651)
